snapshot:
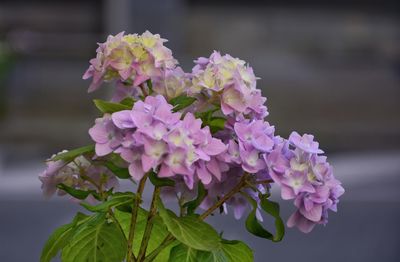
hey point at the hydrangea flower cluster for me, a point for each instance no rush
(151, 137)
(204, 129)
(78, 174)
(173, 83)
(233, 81)
(306, 177)
(130, 59)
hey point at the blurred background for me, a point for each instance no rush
(327, 68)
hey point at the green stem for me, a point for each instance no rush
(149, 225)
(136, 203)
(170, 238)
(266, 181)
(166, 242)
(220, 202)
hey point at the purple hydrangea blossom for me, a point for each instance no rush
(234, 80)
(250, 141)
(129, 58)
(152, 137)
(106, 135)
(307, 178)
(305, 143)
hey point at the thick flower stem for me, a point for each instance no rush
(149, 225)
(135, 209)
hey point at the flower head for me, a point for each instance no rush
(307, 178)
(130, 59)
(234, 80)
(172, 83)
(152, 137)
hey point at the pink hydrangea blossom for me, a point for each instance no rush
(129, 58)
(152, 137)
(234, 80)
(106, 135)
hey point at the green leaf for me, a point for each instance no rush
(192, 205)
(272, 208)
(118, 199)
(216, 124)
(206, 116)
(72, 154)
(190, 230)
(120, 172)
(237, 251)
(158, 233)
(109, 107)
(254, 226)
(183, 253)
(150, 85)
(181, 102)
(215, 256)
(96, 240)
(60, 238)
(160, 182)
(128, 101)
(77, 193)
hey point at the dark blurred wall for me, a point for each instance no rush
(332, 70)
